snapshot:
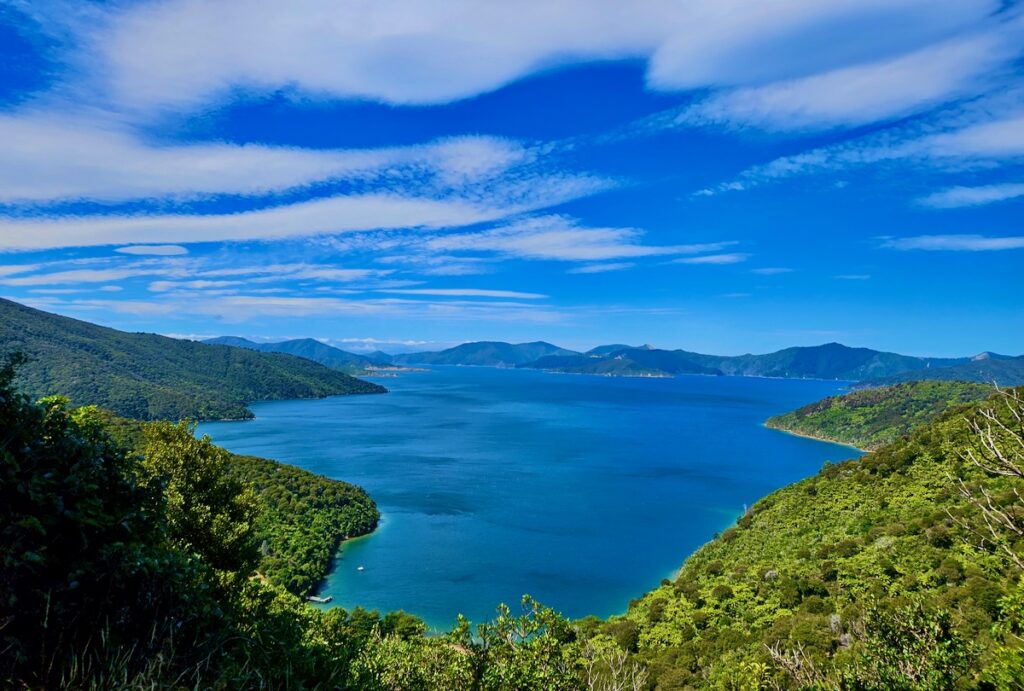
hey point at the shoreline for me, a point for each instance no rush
(807, 435)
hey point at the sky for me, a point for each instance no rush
(723, 177)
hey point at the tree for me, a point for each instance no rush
(209, 513)
(86, 576)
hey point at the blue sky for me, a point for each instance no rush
(724, 177)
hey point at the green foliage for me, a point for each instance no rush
(872, 418)
(209, 513)
(304, 519)
(811, 574)
(909, 648)
(83, 547)
(150, 377)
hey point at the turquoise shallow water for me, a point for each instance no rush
(582, 491)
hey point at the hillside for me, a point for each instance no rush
(987, 369)
(307, 348)
(150, 377)
(484, 353)
(871, 418)
(847, 573)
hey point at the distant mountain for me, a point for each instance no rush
(828, 361)
(380, 356)
(608, 366)
(308, 348)
(485, 353)
(985, 369)
(147, 376)
(605, 350)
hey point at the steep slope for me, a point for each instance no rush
(1001, 370)
(871, 418)
(485, 353)
(845, 574)
(147, 376)
(307, 348)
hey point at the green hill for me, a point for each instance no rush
(879, 571)
(871, 418)
(149, 377)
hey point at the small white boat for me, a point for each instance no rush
(359, 568)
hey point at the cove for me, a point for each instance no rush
(582, 491)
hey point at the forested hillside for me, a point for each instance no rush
(151, 377)
(901, 570)
(898, 570)
(303, 517)
(871, 418)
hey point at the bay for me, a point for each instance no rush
(582, 491)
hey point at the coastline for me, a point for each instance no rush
(807, 435)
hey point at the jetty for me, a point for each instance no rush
(320, 600)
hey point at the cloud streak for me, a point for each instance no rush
(954, 243)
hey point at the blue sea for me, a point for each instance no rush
(582, 491)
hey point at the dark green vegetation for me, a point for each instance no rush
(150, 377)
(985, 369)
(302, 519)
(121, 571)
(485, 353)
(871, 418)
(901, 570)
(307, 348)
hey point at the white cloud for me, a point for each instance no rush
(863, 93)
(601, 268)
(468, 292)
(956, 197)
(49, 157)
(304, 219)
(771, 270)
(165, 286)
(183, 52)
(955, 243)
(852, 277)
(985, 135)
(234, 308)
(153, 250)
(561, 239)
(731, 258)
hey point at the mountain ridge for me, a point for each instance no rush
(148, 376)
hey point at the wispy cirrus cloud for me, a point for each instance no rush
(771, 270)
(153, 250)
(985, 135)
(601, 268)
(960, 196)
(864, 93)
(467, 292)
(954, 243)
(729, 258)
